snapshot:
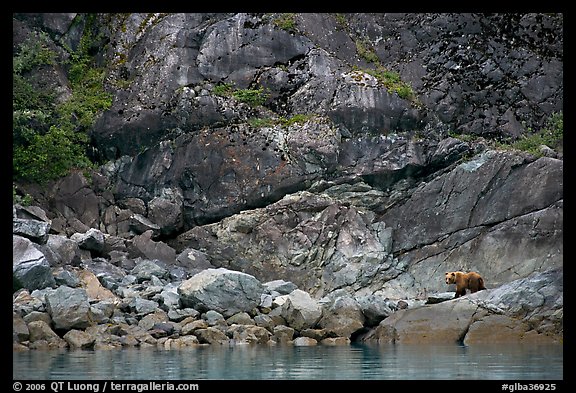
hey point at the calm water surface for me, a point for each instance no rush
(515, 362)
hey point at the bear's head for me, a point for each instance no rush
(450, 277)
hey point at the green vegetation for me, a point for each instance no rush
(552, 135)
(252, 97)
(50, 138)
(281, 121)
(389, 79)
(24, 200)
(286, 21)
(341, 21)
(392, 81)
(258, 122)
(366, 51)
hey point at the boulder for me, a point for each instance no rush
(19, 328)
(375, 307)
(143, 246)
(66, 251)
(342, 317)
(225, 291)
(67, 277)
(91, 240)
(248, 334)
(109, 275)
(30, 268)
(78, 339)
(304, 342)
(35, 230)
(283, 334)
(94, 289)
(145, 269)
(280, 286)
(43, 336)
(166, 211)
(301, 311)
(69, 308)
(211, 335)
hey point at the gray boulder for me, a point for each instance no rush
(225, 291)
(69, 308)
(166, 211)
(301, 311)
(145, 269)
(143, 246)
(35, 230)
(280, 286)
(65, 251)
(376, 307)
(92, 240)
(342, 317)
(30, 268)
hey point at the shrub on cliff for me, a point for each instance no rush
(50, 138)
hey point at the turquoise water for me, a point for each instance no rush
(259, 362)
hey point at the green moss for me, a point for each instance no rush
(296, 119)
(262, 122)
(552, 135)
(281, 121)
(366, 51)
(223, 89)
(341, 21)
(286, 21)
(252, 97)
(392, 81)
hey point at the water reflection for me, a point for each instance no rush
(404, 362)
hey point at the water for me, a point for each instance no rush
(259, 362)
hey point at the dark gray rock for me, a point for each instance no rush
(280, 286)
(69, 308)
(35, 230)
(92, 240)
(375, 308)
(342, 317)
(30, 268)
(109, 275)
(65, 251)
(166, 212)
(145, 269)
(143, 246)
(193, 261)
(66, 277)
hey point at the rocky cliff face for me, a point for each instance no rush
(345, 153)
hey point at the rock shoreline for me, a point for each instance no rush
(67, 297)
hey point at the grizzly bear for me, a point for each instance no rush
(472, 281)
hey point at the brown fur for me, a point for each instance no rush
(472, 281)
